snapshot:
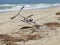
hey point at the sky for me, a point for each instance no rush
(29, 1)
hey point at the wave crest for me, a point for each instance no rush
(9, 7)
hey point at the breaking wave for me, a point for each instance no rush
(9, 7)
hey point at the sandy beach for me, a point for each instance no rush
(41, 16)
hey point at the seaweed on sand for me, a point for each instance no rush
(52, 25)
(57, 13)
(9, 40)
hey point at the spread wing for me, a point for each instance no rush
(18, 13)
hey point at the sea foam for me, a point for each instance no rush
(10, 7)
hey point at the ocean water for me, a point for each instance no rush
(9, 5)
(27, 1)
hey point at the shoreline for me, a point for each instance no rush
(3, 11)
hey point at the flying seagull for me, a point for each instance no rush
(18, 13)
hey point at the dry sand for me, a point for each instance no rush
(8, 26)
